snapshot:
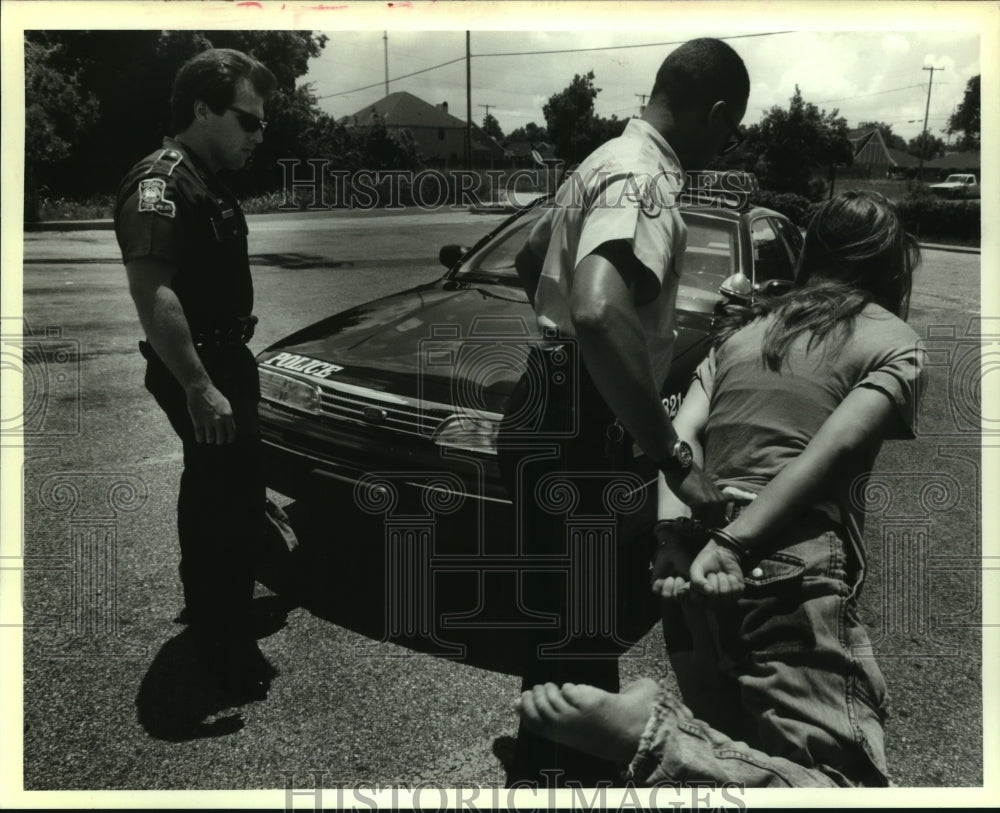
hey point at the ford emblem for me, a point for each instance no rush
(374, 414)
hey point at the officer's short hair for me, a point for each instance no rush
(212, 77)
(702, 72)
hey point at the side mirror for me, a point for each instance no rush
(737, 288)
(450, 254)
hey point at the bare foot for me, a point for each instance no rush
(599, 723)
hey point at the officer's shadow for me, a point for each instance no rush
(177, 701)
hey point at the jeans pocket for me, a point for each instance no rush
(773, 614)
(776, 571)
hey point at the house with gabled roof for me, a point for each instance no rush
(871, 156)
(438, 136)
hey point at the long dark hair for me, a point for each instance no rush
(856, 251)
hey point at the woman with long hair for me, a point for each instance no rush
(778, 683)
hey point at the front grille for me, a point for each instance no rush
(398, 414)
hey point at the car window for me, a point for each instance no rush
(771, 258)
(710, 257)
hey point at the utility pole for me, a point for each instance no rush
(642, 102)
(468, 103)
(488, 106)
(927, 109)
(385, 43)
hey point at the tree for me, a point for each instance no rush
(892, 141)
(56, 112)
(792, 147)
(492, 127)
(933, 147)
(572, 125)
(131, 73)
(531, 133)
(965, 119)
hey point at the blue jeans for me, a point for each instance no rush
(780, 689)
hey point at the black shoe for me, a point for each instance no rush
(234, 666)
(246, 672)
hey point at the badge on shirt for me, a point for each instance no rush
(152, 197)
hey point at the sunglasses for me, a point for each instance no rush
(248, 121)
(736, 137)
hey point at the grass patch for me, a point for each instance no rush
(98, 207)
(890, 187)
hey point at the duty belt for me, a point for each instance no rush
(239, 330)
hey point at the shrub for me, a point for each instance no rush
(930, 217)
(794, 207)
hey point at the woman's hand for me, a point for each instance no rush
(716, 572)
(671, 564)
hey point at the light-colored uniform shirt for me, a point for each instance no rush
(627, 190)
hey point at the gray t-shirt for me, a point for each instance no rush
(760, 419)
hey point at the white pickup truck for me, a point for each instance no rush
(957, 186)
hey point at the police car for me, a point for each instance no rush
(410, 388)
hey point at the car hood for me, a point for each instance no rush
(413, 343)
(440, 342)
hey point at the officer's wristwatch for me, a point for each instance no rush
(680, 460)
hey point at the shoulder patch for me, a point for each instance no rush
(152, 197)
(165, 162)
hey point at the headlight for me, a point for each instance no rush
(289, 392)
(472, 433)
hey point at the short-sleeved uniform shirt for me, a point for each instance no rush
(172, 208)
(760, 419)
(625, 190)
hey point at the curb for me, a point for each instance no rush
(953, 249)
(108, 225)
(71, 225)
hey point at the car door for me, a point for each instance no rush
(772, 255)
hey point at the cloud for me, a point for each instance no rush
(895, 44)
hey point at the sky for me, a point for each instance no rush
(867, 75)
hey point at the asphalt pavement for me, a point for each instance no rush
(108, 701)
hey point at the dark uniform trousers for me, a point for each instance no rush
(220, 507)
(556, 404)
(171, 207)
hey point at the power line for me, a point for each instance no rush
(625, 47)
(529, 53)
(394, 79)
(863, 95)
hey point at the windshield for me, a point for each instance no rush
(710, 256)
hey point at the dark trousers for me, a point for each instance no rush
(220, 506)
(565, 461)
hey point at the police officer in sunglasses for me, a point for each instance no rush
(183, 239)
